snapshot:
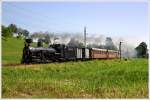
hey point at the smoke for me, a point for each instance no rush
(96, 40)
(63, 38)
(93, 41)
(127, 49)
(77, 40)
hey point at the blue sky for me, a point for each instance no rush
(127, 20)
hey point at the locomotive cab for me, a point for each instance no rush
(58, 47)
(59, 50)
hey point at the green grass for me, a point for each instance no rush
(88, 79)
(12, 50)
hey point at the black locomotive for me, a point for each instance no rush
(61, 52)
(55, 52)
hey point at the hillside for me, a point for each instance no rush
(12, 50)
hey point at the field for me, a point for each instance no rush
(82, 79)
(12, 50)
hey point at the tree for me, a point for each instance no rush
(47, 39)
(13, 28)
(109, 44)
(19, 30)
(3, 30)
(6, 31)
(141, 49)
(25, 33)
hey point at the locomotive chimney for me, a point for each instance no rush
(28, 42)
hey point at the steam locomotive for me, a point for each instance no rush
(61, 52)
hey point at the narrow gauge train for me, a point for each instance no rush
(61, 52)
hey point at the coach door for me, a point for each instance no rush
(83, 53)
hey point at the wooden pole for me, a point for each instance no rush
(120, 49)
(85, 37)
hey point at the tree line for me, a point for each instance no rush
(8, 31)
(142, 50)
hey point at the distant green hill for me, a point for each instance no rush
(12, 50)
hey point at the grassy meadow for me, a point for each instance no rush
(82, 79)
(89, 79)
(12, 50)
